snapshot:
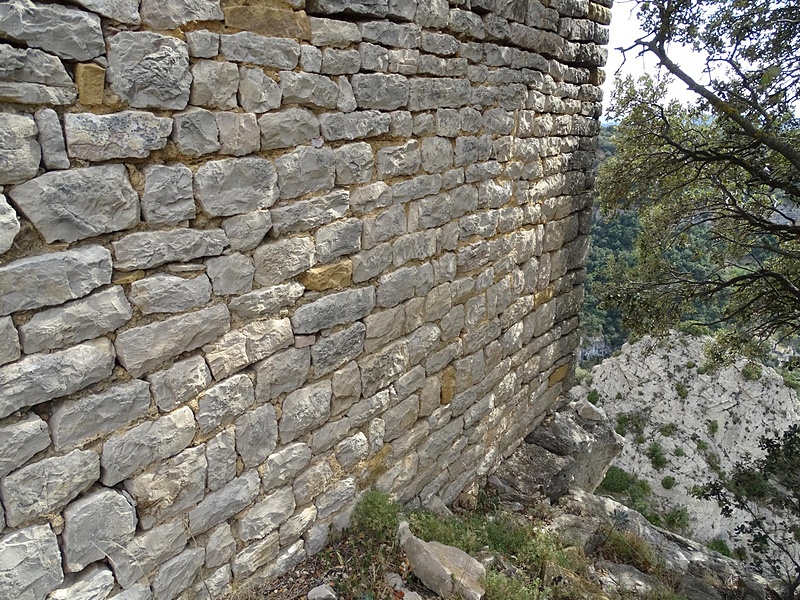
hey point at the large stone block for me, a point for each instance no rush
(238, 133)
(379, 91)
(9, 225)
(222, 504)
(9, 341)
(94, 582)
(333, 32)
(169, 14)
(267, 515)
(127, 134)
(77, 204)
(278, 53)
(334, 309)
(224, 402)
(20, 441)
(354, 125)
(94, 525)
(282, 466)
(256, 435)
(30, 76)
(30, 563)
(177, 574)
(20, 153)
(287, 128)
(306, 170)
(146, 551)
(338, 239)
(257, 92)
(149, 249)
(181, 382)
(282, 373)
(244, 346)
(309, 89)
(370, 8)
(309, 214)
(430, 93)
(76, 321)
(51, 139)
(214, 84)
(305, 409)
(162, 293)
(235, 185)
(195, 132)
(332, 352)
(75, 422)
(246, 231)
(42, 377)
(222, 459)
(279, 21)
(48, 485)
(125, 453)
(266, 301)
(141, 349)
(149, 70)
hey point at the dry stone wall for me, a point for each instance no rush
(259, 257)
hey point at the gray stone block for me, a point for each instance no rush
(126, 134)
(371, 197)
(154, 248)
(31, 563)
(276, 262)
(246, 231)
(370, 407)
(94, 525)
(329, 434)
(167, 198)
(354, 125)
(64, 31)
(162, 293)
(304, 171)
(354, 163)
(333, 32)
(20, 153)
(371, 263)
(370, 8)
(267, 515)
(255, 556)
(80, 203)
(202, 43)
(214, 84)
(308, 214)
(76, 321)
(387, 225)
(20, 441)
(282, 466)
(332, 352)
(305, 409)
(169, 14)
(394, 161)
(195, 132)
(338, 239)
(34, 77)
(340, 62)
(181, 382)
(225, 401)
(131, 56)
(282, 373)
(9, 225)
(145, 552)
(288, 128)
(75, 422)
(256, 435)
(94, 582)
(390, 34)
(222, 504)
(308, 89)
(278, 53)
(177, 574)
(143, 348)
(222, 459)
(235, 185)
(48, 485)
(429, 93)
(266, 301)
(231, 274)
(373, 58)
(310, 58)
(334, 309)
(220, 546)
(122, 11)
(238, 133)
(257, 92)
(42, 377)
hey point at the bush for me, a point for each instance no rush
(616, 481)
(593, 397)
(679, 451)
(752, 371)
(668, 482)
(625, 547)
(721, 547)
(656, 455)
(376, 515)
(713, 427)
(677, 519)
(503, 587)
(701, 445)
(682, 391)
(668, 429)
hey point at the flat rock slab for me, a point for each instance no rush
(169, 14)
(127, 134)
(20, 153)
(149, 249)
(30, 76)
(236, 185)
(30, 563)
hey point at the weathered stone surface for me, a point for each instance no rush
(64, 31)
(94, 582)
(338, 239)
(354, 163)
(428, 93)
(149, 70)
(195, 132)
(332, 32)
(399, 160)
(267, 515)
(285, 464)
(332, 352)
(305, 170)
(162, 293)
(266, 301)
(305, 409)
(238, 133)
(224, 402)
(380, 369)
(327, 277)
(312, 482)
(159, 14)
(91, 80)
(170, 488)
(47, 485)
(371, 8)
(308, 214)
(181, 382)
(234, 186)
(30, 76)
(220, 547)
(30, 563)
(77, 421)
(141, 349)
(339, 62)
(222, 459)
(269, 20)
(202, 43)
(288, 128)
(355, 125)
(231, 274)
(123, 11)
(352, 450)
(51, 139)
(154, 248)
(308, 89)
(73, 205)
(146, 551)
(379, 91)
(94, 525)
(257, 92)
(20, 153)
(125, 453)
(20, 441)
(246, 231)
(255, 556)
(244, 346)
(282, 373)
(9, 225)
(214, 84)
(125, 134)
(76, 321)
(42, 377)
(334, 309)
(256, 435)
(249, 47)
(222, 504)
(177, 574)
(9, 341)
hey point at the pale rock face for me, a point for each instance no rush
(9, 225)
(257, 92)
(30, 76)
(305, 409)
(236, 185)
(20, 441)
(94, 582)
(195, 132)
(214, 84)
(31, 563)
(161, 14)
(120, 135)
(154, 248)
(20, 153)
(277, 53)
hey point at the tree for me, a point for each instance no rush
(716, 183)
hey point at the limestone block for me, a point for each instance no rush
(387, 225)
(137, 591)
(269, 20)
(248, 47)
(130, 133)
(438, 43)
(308, 89)
(9, 225)
(257, 92)
(222, 459)
(238, 133)
(255, 555)
(354, 163)
(373, 58)
(282, 466)
(327, 277)
(244, 346)
(94, 582)
(371, 263)
(430, 93)
(333, 32)
(146, 551)
(169, 14)
(91, 80)
(195, 132)
(395, 35)
(347, 101)
(48, 485)
(246, 231)
(181, 382)
(51, 139)
(351, 451)
(332, 352)
(125, 453)
(334, 309)
(381, 368)
(42, 377)
(330, 434)
(354, 125)
(20, 153)
(94, 525)
(256, 435)
(65, 31)
(378, 91)
(20, 441)
(267, 515)
(222, 504)
(75, 422)
(312, 482)
(30, 563)
(167, 197)
(30, 76)
(80, 203)
(76, 321)
(235, 185)
(340, 62)
(282, 373)
(370, 8)
(149, 249)
(224, 402)
(399, 160)
(297, 525)
(131, 56)
(170, 488)
(214, 84)
(337, 498)
(288, 128)
(202, 43)
(122, 11)
(143, 348)
(338, 239)
(371, 197)
(308, 214)
(231, 274)
(177, 574)
(265, 301)
(162, 293)
(310, 59)
(437, 154)
(305, 409)
(220, 546)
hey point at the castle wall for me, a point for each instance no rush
(258, 257)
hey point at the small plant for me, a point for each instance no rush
(668, 482)
(701, 445)
(656, 455)
(376, 515)
(720, 546)
(703, 369)
(752, 371)
(677, 519)
(616, 481)
(625, 547)
(681, 390)
(593, 396)
(668, 429)
(618, 396)
(679, 451)
(622, 424)
(713, 427)
(691, 364)
(500, 586)
(639, 439)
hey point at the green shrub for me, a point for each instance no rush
(713, 427)
(679, 451)
(677, 519)
(593, 396)
(622, 424)
(503, 587)
(639, 439)
(703, 369)
(721, 547)
(656, 455)
(691, 364)
(376, 515)
(752, 371)
(668, 429)
(668, 482)
(701, 445)
(680, 388)
(616, 481)
(627, 548)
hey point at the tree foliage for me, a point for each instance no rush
(716, 183)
